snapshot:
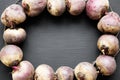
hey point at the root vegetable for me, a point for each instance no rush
(85, 71)
(75, 7)
(13, 15)
(95, 9)
(11, 55)
(108, 44)
(110, 23)
(34, 7)
(64, 73)
(14, 36)
(56, 7)
(106, 64)
(44, 72)
(24, 71)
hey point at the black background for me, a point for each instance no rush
(57, 41)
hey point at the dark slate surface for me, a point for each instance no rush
(58, 41)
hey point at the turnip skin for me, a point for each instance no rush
(85, 71)
(95, 9)
(106, 64)
(75, 7)
(56, 7)
(23, 71)
(33, 7)
(44, 72)
(110, 23)
(13, 15)
(64, 73)
(108, 44)
(11, 55)
(14, 36)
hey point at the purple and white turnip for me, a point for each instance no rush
(110, 23)
(95, 9)
(23, 71)
(106, 64)
(14, 36)
(44, 72)
(11, 55)
(64, 73)
(56, 7)
(33, 7)
(75, 7)
(13, 15)
(85, 71)
(108, 44)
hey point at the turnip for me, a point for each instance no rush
(85, 71)
(44, 72)
(34, 7)
(11, 55)
(95, 9)
(56, 7)
(14, 36)
(110, 23)
(13, 15)
(23, 71)
(75, 7)
(64, 73)
(106, 64)
(108, 44)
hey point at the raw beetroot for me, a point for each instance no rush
(95, 9)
